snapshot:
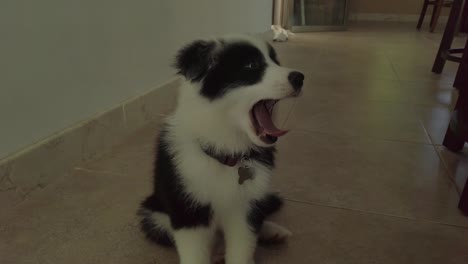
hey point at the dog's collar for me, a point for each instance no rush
(228, 160)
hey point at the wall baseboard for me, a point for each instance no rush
(38, 165)
(383, 17)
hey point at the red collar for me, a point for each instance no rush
(227, 160)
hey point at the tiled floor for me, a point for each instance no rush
(365, 177)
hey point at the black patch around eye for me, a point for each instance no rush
(252, 65)
(272, 54)
(230, 71)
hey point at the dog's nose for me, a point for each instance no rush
(296, 79)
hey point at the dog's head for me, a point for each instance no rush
(240, 79)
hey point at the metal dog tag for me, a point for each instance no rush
(245, 170)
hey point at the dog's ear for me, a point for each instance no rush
(194, 60)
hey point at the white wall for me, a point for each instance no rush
(62, 61)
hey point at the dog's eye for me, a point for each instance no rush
(252, 66)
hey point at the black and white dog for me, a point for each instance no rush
(215, 153)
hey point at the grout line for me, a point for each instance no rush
(124, 115)
(447, 170)
(413, 104)
(426, 132)
(99, 171)
(451, 179)
(362, 137)
(375, 213)
(393, 68)
(289, 113)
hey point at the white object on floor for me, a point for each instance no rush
(280, 34)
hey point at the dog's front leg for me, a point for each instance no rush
(241, 241)
(194, 245)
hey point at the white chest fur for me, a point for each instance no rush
(210, 182)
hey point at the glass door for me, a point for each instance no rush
(318, 15)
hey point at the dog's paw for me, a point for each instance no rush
(272, 233)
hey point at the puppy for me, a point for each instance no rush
(215, 153)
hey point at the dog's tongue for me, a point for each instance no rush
(263, 116)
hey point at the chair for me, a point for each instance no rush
(463, 204)
(457, 131)
(438, 5)
(445, 51)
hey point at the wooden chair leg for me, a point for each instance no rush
(447, 39)
(453, 139)
(423, 14)
(461, 79)
(464, 19)
(434, 11)
(461, 83)
(436, 14)
(463, 204)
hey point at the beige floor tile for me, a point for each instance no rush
(78, 219)
(403, 179)
(374, 119)
(297, 57)
(10, 195)
(411, 55)
(354, 48)
(414, 111)
(457, 165)
(352, 90)
(356, 90)
(333, 66)
(328, 235)
(427, 93)
(417, 72)
(134, 156)
(435, 121)
(133, 248)
(351, 43)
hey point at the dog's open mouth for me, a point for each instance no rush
(262, 121)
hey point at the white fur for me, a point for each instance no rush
(224, 124)
(273, 232)
(194, 245)
(280, 34)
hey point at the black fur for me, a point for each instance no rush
(236, 65)
(272, 54)
(263, 208)
(169, 197)
(266, 156)
(232, 70)
(224, 70)
(152, 231)
(194, 60)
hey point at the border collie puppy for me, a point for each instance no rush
(215, 153)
